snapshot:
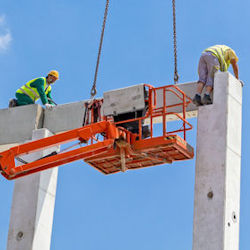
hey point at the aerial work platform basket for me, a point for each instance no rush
(113, 143)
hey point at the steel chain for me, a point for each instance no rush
(93, 89)
(176, 76)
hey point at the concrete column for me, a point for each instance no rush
(33, 205)
(218, 165)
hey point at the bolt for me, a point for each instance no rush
(19, 236)
(234, 217)
(210, 194)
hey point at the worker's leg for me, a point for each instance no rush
(23, 99)
(202, 71)
(213, 66)
(200, 86)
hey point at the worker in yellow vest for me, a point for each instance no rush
(35, 89)
(217, 57)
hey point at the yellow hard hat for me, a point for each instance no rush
(54, 73)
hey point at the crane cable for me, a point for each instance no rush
(93, 89)
(176, 76)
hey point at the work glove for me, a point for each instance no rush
(48, 106)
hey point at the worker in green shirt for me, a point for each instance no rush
(217, 57)
(37, 88)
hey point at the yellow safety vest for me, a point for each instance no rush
(219, 51)
(32, 92)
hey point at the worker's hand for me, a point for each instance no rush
(242, 83)
(48, 106)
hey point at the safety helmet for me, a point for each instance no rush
(54, 73)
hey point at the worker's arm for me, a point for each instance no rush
(49, 97)
(39, 85)
(235, 67)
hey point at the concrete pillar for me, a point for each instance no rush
(218, 164)
(33, 205)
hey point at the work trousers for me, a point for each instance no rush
(23, 99)
(208, 66)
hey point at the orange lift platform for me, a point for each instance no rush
(119, 148)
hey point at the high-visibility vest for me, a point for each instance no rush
(32, 92)
(219, 51)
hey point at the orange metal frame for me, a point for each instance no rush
(163, 112)
(118, 150)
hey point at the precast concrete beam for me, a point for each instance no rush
(131, 98)
(33, 205)
(64, 117)
(218, 168)
(171, 99)
(124, 100)
(17, 124)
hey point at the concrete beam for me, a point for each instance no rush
(17, 124)
(218, 167)
(124, 100)
(189, 89)
(33, 205)
(64, 117)
(132, 98)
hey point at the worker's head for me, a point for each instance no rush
(52, 76)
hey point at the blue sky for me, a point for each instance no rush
(146, 209)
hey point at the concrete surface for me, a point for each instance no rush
(17, 124)
(189, 89)
(33, 206)
(64, 117)
(120, 101)
(218, 167)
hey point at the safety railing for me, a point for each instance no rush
(156, 109)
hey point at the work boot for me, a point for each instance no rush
(206, 99)
(197, 100)
(12, 103)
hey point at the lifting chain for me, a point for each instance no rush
(93, 89)
(176, 76)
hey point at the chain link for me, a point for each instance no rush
(176, 76)
(93, 89)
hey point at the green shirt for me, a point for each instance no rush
(39, 85)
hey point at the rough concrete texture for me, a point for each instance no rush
(64, 117)
(124, 100)
(33, 205)
(17, 124)
(218, 166)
